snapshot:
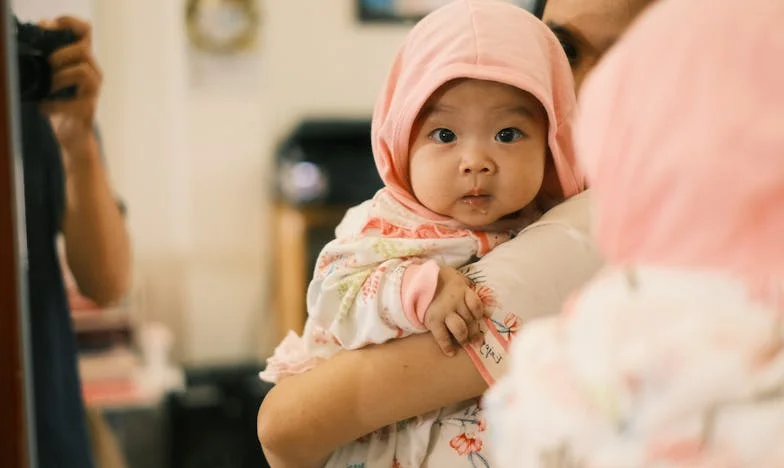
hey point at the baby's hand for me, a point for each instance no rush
(456, 311)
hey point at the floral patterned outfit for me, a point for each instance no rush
(455, 436)
(355, 299)
(356, 296)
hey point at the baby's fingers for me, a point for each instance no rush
(474, 304)
(458, 328)
(471, 321)
(443, 339)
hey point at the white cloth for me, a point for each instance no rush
(648, 367)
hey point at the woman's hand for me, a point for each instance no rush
(357, 392)
(74, 65)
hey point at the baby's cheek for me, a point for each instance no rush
(526, 184)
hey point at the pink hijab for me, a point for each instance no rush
(481, 39)
(681, 134)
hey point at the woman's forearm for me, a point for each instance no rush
(293, 434)
(96, 241)
(357, 392)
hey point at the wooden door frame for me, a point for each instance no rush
(15, 421)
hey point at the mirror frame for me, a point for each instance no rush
(16, 422)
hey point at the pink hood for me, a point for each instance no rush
(681, 133)
(481, 39)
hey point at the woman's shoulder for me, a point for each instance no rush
(573, 213)
(563, 232)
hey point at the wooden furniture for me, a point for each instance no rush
(293, 229)
(14, 446)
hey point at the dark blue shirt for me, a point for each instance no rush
(59, 412)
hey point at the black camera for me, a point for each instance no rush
(35, 45)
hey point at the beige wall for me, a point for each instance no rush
(190, 143)
(33, 10)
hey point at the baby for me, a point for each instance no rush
(471, 139)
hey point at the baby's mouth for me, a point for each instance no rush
(476, 198)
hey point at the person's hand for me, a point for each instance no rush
(74, 65)
(455, 312)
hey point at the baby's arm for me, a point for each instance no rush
(367, 289)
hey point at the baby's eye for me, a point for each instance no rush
(509, 135)
(442, 135)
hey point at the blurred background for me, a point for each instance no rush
(236, 133)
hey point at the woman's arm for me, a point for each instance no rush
(97, 244)
(305, 417)
(96, 241)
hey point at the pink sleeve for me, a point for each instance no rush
(418, 289)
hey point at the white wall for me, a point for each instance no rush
(143, 120)
(34, 10)
(190, 144)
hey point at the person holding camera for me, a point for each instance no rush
(66, 190)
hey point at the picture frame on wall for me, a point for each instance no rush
(411, 11)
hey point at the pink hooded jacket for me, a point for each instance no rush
(697, 184)
(480, 39)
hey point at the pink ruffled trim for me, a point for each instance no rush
(289, 358)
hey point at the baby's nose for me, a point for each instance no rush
(477, 164)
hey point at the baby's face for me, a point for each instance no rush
(478, 151)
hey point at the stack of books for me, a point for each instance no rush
(109, 363)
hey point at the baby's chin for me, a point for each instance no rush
(478, 221)
(493, 221)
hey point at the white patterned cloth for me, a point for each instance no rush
(647, 368)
